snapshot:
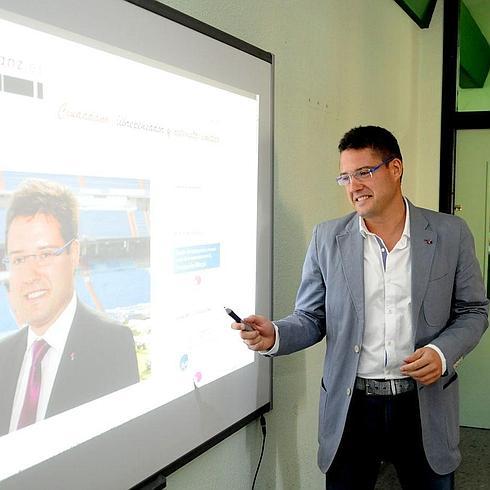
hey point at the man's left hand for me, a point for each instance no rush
(424, 366)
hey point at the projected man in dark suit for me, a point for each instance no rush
(65, 354)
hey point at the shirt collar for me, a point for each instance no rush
(57, 333)
(406, 229)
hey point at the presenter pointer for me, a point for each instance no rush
(235, 317)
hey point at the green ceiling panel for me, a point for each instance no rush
(474, 52)
(420, 11)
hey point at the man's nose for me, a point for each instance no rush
(354, 184)
(31, 270)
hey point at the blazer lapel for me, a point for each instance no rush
(423, 245)
(423, 242)
(351, 246)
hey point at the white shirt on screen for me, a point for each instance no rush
(55, 336)
(389, 332)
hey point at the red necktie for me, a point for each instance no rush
(29, 409)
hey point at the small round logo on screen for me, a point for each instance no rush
(184, 362)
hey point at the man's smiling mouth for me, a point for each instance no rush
(362, 198)
(36, 294)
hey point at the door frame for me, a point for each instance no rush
(452, 119)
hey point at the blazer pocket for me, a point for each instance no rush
(452, 379)
(437, 301)
(321, 411)
(438, 276)
(450, 405)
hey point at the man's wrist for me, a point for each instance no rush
(273, 350)
(441, 355)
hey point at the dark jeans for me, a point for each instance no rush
(383, 428)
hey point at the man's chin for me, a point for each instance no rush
(39, 325)
(362, 207)
(361, 211)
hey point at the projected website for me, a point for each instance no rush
(128, 206)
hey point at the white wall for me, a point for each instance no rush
(339, 63)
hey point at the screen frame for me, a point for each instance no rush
(264, 266)
(201, 27)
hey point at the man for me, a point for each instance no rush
(66, 354)
(397, 292)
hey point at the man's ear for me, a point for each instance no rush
(75, 253)
(397, 166)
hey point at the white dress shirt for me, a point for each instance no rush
(389, 332)
(55, 336)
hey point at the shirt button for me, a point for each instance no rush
(356, 349)
(348, 391)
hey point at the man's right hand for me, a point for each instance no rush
(263, 335)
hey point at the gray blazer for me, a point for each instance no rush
(449, 306)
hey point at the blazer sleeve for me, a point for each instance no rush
(306, 326)
(469, 304)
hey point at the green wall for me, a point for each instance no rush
(475, 99)
(474, 51)
(337, 64)
(472, 194)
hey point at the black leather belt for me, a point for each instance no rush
(385, 386)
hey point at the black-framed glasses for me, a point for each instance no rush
(362, 174)
(44, 257)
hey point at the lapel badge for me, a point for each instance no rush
(428, 242)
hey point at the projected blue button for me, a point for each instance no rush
(198, 257)
(184, 362)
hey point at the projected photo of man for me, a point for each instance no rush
(64, 353)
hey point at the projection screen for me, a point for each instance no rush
(153, 133)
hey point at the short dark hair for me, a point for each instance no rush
(373, 137)
(40, 196)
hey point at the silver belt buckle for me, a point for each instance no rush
(368, 388)
(394, 390)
